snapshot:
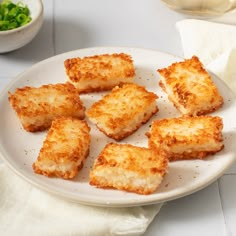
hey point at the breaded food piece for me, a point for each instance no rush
(64, 149)
(122, 111)
(37, 107)
(190, 87)
(99, 72)
(187, 137)
(130, 168)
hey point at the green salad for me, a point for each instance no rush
(13, 15)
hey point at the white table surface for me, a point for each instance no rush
(75, 24)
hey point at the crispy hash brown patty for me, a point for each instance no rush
(64, 149)
(38, 107)
(122, 111)
(187, 137)
(99, 72)
(130, 168)
(190, 88)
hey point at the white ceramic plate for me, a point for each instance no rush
(19, 148)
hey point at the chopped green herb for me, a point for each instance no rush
(13, 15)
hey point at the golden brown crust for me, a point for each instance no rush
(122, 111)
(64, 149)
(130, 168)
(187, 137)
(190, 87)
(37, 107)
(99, 72)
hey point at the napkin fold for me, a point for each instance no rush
(214, 44)
(26, 210)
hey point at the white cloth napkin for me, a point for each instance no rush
(28, 211)
(215, 45)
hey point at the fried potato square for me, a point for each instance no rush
(187, 137)
(64, 149)
(190, 87)
(38, 107)
(130, 168)
(122, 111)
(99, 72)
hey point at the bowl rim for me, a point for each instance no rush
(39, 14)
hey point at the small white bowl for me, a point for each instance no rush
(13, 39)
